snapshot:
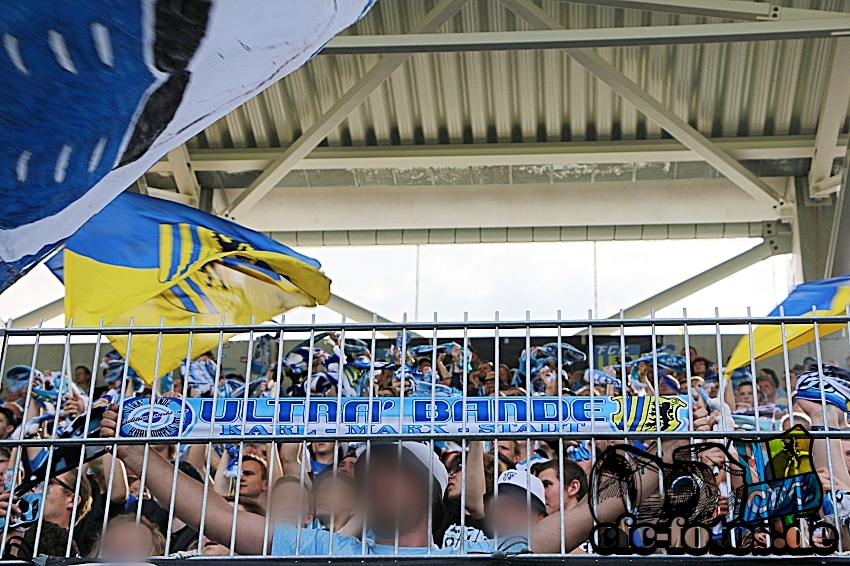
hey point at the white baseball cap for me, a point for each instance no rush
(518, 483)
(423, 454)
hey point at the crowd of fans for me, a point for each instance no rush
(342, 498)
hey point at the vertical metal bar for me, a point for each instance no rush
(22, 448)
(209, 448)
(122, 397)
(721, 377)
(342, 359)
(721, 395)
(826, 427)
(787, 365)
(496, 392)
(528, 427)
(624, 386)
(53, 434)
(431, 429)
(183, 399)
(561, 428)
(688, 376)
(237, 489)
(463, 444)
(305, 454)
(753, 372)
(73, 525)
(4, 354)
(143, 476)
(274, 445)
(658, 450)
(368, 452)
(403, 370)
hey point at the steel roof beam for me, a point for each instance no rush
(335, 115)
(519, 235)
(730, 9)
(833, 114)
(589, 38)
(775, 243)
(237, 160)
(603, 203)
(180, 164)
(650, 106)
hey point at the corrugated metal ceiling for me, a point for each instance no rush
(735, 89)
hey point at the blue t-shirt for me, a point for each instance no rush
(317, 543)
(318, 467)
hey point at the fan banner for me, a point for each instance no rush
(172, 417)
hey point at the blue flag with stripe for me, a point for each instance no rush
(94, 93)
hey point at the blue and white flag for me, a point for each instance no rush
(94, 93)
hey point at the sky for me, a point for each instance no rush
(480, 279)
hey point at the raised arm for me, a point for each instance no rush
(222, 483)
(476, 484)
(290, 461)
(272, 453)
(187, 507)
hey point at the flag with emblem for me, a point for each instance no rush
(145, 258)
(94, 93)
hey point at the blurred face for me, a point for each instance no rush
(767, 388)
(134, 489)
(81, 376)
(289, 502)
(744, 395)
(454, 488)
(504, 374)
(60, 500)
(490, 383)
(699, 368)
(509, 515)
(323, 448)
(251, 483)
(5, 427)
(124, 541)
(508, 449)
(397, 495)
(396, 387)
(346, 466)
(552, 491)
(336, 498)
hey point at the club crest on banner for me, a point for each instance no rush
(169, 418)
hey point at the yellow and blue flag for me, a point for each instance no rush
(828, 297)
(147, 258)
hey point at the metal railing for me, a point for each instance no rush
(651, 434)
